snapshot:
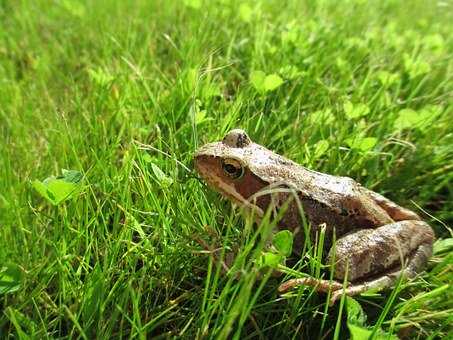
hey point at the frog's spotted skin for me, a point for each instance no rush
(372, 232)
(237, 139)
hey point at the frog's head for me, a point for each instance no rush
(236, 167)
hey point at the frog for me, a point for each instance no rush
(371, 241)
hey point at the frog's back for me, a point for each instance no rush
(322, 187)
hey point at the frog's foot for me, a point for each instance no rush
(320, 285)
(416, 263)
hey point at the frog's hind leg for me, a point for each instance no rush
(416, 264)
(374, 258)
(380, 254)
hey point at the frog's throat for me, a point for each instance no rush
(231, 193)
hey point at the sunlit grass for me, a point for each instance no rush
(354, 88)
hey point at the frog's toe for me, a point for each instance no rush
(377, 284)
(320, 285)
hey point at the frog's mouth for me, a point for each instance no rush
(220, 185)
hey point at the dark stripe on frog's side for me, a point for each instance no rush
(316, 212)
(342, 219)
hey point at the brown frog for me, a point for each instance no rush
(373, 234)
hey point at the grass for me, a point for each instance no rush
(85, 85)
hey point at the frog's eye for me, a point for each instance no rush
(233, 168)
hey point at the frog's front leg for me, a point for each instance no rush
(374, 258)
